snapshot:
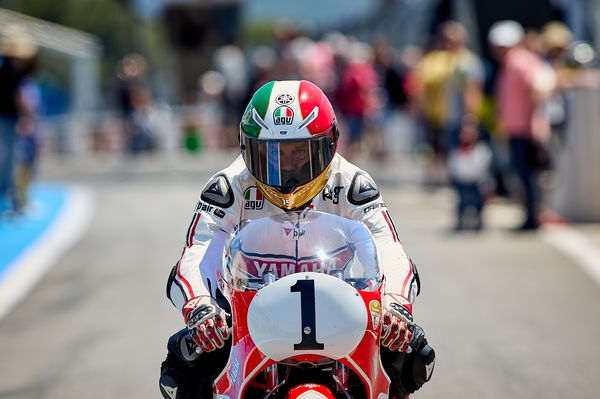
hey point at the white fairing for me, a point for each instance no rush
(275, 317)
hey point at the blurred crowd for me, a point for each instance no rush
(485, 127)
(370, 85)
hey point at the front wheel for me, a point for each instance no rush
(310, 391)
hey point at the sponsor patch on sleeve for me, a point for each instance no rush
(374, 206)
(332, 193)
(204, 207)
(218, 192)
(253, 199)
(362, 189)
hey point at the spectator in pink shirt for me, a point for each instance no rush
(524, 80)
(357, 95)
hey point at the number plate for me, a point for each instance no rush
(307, 313)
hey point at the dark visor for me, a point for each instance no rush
(287, 164)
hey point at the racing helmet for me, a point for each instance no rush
(288, 137)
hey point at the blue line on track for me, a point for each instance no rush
(19, 232)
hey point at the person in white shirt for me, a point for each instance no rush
(469, 168)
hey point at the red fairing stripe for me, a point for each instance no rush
(390, 225)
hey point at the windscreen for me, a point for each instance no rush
(302, 241)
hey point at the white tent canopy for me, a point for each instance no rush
(81, 52)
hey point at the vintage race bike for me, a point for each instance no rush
(305, 290)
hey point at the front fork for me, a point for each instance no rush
(341, 376)
(341, 372)
(272, 372)
(271, 377)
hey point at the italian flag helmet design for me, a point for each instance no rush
(288, 137)
(309, 111)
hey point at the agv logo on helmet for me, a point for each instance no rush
(283, 116)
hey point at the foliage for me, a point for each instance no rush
(112, 21)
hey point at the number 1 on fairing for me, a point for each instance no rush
(306, 288)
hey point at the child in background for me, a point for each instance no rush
(25, 161)
(469, 168)
(26, 150)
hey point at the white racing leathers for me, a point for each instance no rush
(231, 197)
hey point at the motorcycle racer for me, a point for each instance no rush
(289, 161)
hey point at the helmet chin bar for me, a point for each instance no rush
(299, 196)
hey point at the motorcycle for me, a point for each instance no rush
(305, 290)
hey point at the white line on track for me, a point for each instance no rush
(30, 266)
(577, 246)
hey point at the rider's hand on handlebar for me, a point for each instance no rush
(396, 333)
(206, 322)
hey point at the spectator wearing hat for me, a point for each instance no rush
(524, 81)
(17, 49)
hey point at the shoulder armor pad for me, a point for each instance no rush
(362, 189)
(218, 192)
